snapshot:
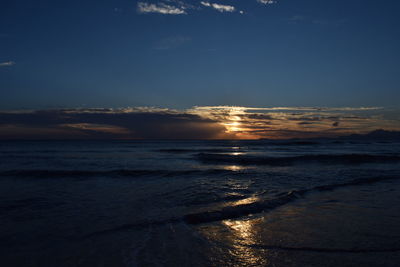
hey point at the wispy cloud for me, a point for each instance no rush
(267, 2)
(7, 63)
(219, 7)
(179, 7)
(160, 8)
(287, 108)
(205, 3)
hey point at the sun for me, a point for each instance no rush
(233, 121)
(233, 126)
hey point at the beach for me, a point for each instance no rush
(200, 203)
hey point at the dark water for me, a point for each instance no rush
(199, 203)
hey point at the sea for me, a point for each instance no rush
(328, 202)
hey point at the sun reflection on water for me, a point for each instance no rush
(236, 153)
(234, 168)
(245, 201)
(243, 234)
(241, 228)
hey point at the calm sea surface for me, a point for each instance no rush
(199, 203)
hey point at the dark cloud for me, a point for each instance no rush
(304, 118)
(257, 116)
(305, 123)
(105, 123)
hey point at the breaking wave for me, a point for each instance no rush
(232, 212)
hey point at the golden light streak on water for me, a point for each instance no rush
(242, 233)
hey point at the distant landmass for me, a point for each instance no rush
(379, 135)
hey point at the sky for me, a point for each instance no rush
(177, 55)
(184, 53)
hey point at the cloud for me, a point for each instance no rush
(7, 63)
(160, 8)
(286, 122)
(132, 123)
(219, 7)
(288, 108)
(179, 7)
(267, 2)
(196, 123)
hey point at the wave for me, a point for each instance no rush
(291, 160)
(112, 173)
(325, 250)
(294, 143)
(232, 212)
(185, 150)
(207, 198)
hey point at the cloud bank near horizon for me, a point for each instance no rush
(221, 122)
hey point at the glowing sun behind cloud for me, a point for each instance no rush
(233, 123)
(295, 122)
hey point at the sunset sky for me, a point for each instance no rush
(218, 122)
(181, 55)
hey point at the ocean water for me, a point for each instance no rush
(199, 203)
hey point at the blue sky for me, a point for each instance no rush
(179, 54)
